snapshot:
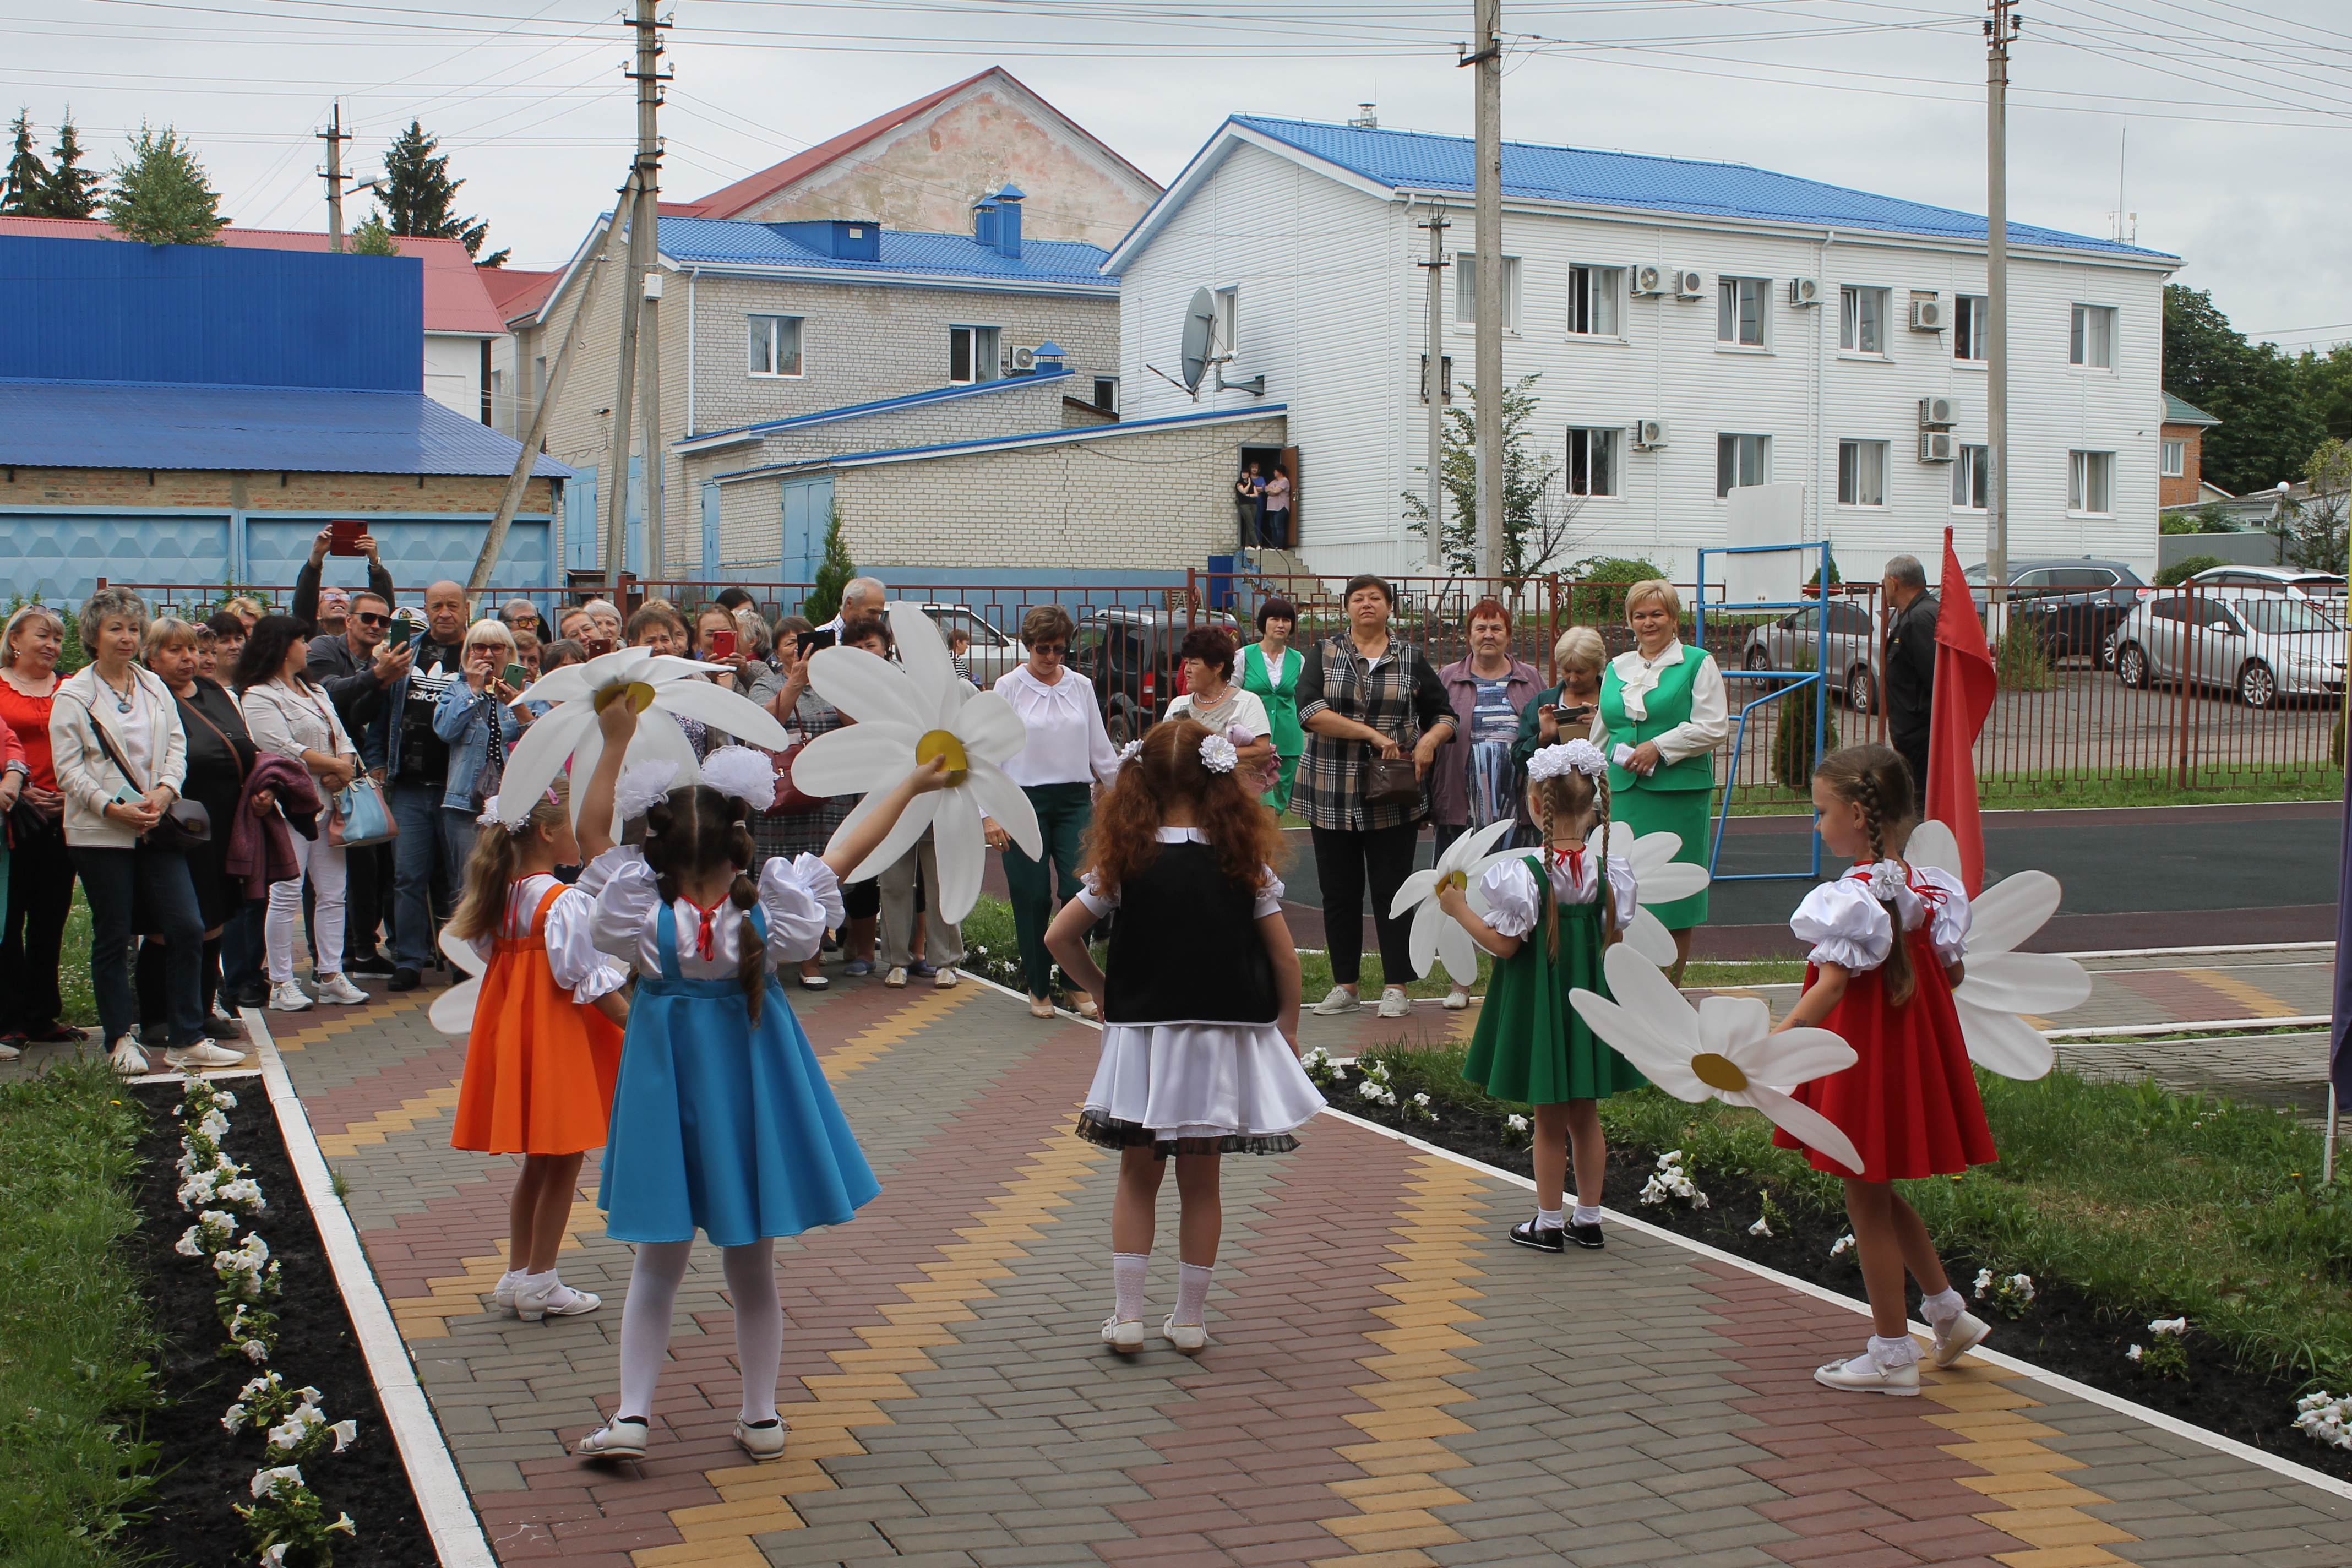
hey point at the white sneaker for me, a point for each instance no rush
(1866, 1374)
(287, 998)
(554, 1300)
(1957, 1335)
(1341, 1000)
(763, 1440)
(1394, 1003)
(1455, 1001)
(1124, 1335)
(896, 980)
(127, 1059)
(944, 980)
(1185, 1339)
(202, 1055)
(338, 989)
(618, 1438)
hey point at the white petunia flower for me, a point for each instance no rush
(1437, 936)
(1516, 1122)
(2173, 1326)
(2133, 1353)
(345, 1433)
(275, 1556)
(2001, 983)
(265, 1482)
(1761, 1227)
(1723, 1048)
(233, 1418)
(256, 1350)
(908, 715)
(1842, 1245)
(343, 1525)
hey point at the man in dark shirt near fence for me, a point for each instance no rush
(1909, 682)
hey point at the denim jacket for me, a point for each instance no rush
(463, 720)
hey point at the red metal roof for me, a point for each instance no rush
(516, 290)
(455, 297)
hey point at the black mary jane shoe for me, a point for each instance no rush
(1548, 1238)
(1587, 1235)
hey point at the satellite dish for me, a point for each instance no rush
(1200, 326)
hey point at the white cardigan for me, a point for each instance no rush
(87, 776)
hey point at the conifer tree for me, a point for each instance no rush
(374, 237)
(25, 184)
(832, 574)
(418, 195)
(73, 191)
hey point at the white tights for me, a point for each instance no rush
(652, 1301)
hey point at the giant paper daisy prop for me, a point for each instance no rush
(1724, 1049)
(907, 714)
(1436, 934)
(656, 682)
(2001, 983)
(1658, 879)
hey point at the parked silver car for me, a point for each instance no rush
(1793, 642)
(2263, 647)
(2324, 588)
(992, 652)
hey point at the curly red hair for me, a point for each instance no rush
(1168, 770)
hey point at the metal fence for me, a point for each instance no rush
(2218, 698)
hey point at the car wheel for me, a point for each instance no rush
(1758, 657)
(2257, 687)
(2131, 665)
(1121, 726)
(1858, 695)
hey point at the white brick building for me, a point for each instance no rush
(1309, 232)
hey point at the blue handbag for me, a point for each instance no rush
(360, 817)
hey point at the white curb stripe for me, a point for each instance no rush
(449, 1517)
(2188, 1026)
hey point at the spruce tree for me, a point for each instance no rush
(73, 191)
(418, 195)
(161, 196)
(373, 238)
(24, 185)
(832, 574)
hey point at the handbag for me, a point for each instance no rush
(359, 816)
(184, 823)
(27, 824)
(790, 800)
(1392, 781)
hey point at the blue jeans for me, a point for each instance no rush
(114, 879)
(243, 949)
(432, 844)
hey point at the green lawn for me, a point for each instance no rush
(2039, 792)
(74, 1331)
(73, 967)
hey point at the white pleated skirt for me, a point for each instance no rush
(1184, 1084)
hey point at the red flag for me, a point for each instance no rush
(1963, 697)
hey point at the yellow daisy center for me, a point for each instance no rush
(1719, 1072)
(1454, 879)
(639, 694)
(942, 743)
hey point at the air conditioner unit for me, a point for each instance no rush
(1647, 279)
(1804, 290)
(1927, 316)
(1937, 411)
(1689, 285)
(1024, 360)
(1649, 433)
(1938, 446)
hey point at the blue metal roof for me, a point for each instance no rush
(886, 404)
(176, 425)
(1033, 438)
(717, 241)
(1414, 160)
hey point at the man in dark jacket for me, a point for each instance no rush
(305, 607)
(358, 666)
(1910, 667)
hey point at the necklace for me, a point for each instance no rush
(122, 698)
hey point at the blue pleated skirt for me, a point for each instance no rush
(722, 1126)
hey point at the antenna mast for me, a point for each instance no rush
(1433, 382)
(2000, 31)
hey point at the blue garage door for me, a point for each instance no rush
(808, 509)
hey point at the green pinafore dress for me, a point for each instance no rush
(1531, 1046)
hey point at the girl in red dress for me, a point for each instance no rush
(546, 1040)
(1887, 942)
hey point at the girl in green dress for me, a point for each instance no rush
(1530, 1045)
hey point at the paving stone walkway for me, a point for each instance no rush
(1389, 1384)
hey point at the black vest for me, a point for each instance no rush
(1185, 949)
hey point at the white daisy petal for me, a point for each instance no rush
(1421, 885)
(452, 1012)
(988, 727)
(1649, 937)
(901, 837)
(728, 713)
(962, 855)
(558, 686)
(844, 761)
(541, 755)
(1726, 1024)
(1675, 880)
(868, 688)
(2037, 982)
(1802, 1122)
(2003, 1042)
(923, 653)
(1420, 938)
(2011, 910)
(1792, 1056)
(1932, 843)
(994, 791)
(1663, 1060)
(1457, 951)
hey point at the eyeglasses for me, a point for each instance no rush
(365, 619)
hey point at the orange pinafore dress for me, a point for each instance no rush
(540, 1067)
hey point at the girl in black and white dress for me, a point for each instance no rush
(1200, 1010)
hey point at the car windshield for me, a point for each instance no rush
(2285, 617)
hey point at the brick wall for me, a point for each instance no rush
(265, 492)
(2171, 492)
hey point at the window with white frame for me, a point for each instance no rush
(1592, 462)
(1106, 393)
(973, 354)
(1971, 326)
(775, 345)
(1225, 331)
(1739, 310)
(1862, 473)
(1592, 301)
(1972, 479)
(1465, 291)
(2090, 482)
(2174, 460)
(2092, 340)
(1862, 320)
(1741, 461)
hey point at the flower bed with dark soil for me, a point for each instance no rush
(2060, 1330)
(203, 1469)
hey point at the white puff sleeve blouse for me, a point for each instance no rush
(1510, 890)
(800, 898)
(1847, 926)
(1100, 903)
(572, 957)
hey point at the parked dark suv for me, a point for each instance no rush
(2073, 606)
(1129, 654)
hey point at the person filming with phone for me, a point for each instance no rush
(433, 843)
(478, 719)
(315, 607)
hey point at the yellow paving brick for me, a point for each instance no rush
(746, 1510)
(2040, 1490)
(2043, 1462)
(2059, 1557)
(1433, 1534)
(1391, 1497)
(1377, 1560)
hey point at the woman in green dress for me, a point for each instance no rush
(1549, 916)
(1663, 713)
(1270, 667)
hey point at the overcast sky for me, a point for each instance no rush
(2235, 115)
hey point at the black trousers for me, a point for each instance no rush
(366, 902)
(1912, 749)
(1346, 864)
(40, 897)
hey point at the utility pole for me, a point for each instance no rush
(1433, 383)
(2001, 30)
(335, 136)
(642, 216)
(649, 412)
(1488, 336)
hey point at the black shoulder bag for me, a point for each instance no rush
(184, 825)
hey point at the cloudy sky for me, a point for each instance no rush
(2233, 115)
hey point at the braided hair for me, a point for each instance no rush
(1572, 795)
(1878, 780)
(690, 833)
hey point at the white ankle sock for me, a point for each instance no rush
(529, 1283)
(1192, 1291)
(1585, 1213)
(1128, 1271)
(1549, 1220)
(1943, 1305)
(1890, 1354)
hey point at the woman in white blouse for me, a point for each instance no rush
(1068, 751)
(289, 715)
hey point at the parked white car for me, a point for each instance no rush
(992, 652)
(2263, 647)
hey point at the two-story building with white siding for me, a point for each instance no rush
(1694, 326)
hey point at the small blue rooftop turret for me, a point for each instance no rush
(1049, 358)
(1008, 220)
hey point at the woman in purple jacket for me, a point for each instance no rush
(1476, 780)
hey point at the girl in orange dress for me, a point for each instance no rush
(546, 1040)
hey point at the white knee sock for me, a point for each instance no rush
(1192, 1291)
(1128, 1271)
(759, 1325)
(644, 1321)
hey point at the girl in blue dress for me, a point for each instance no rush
(722, 1121)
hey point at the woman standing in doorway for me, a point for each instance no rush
(1269, 668)
(1273, 523)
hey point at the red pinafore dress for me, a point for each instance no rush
(540, 1067)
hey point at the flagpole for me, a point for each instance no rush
(2328, 1160)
